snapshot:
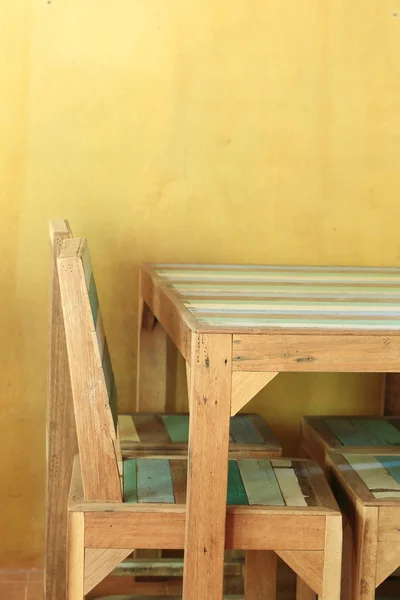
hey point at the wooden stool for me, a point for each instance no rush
(367, 487)
(320, 435)
(276, 507)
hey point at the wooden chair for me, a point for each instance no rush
(149, 433)
(278, 507)
(323, 434)
(367, 487)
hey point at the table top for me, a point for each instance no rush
(288, 298)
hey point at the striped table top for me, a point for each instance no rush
(233, 297)
(261, 482)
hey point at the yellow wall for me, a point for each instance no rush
(227, 131)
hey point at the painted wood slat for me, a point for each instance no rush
(151, 429)
(283, 268)
(299, 306)
(130, 481)
(93, 299)
(110, 383)
(385, 431)
(392, 465)
(177, 427)
(87, 265)
(372, 473)
(100, 336)
(243, 431)
(338, 276)
(154, 481)
(260, 483)
(237, 322)
(127, 429)
(289, 291)
(290, 487)
(236, 493)
(351, 432)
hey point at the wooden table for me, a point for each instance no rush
(237, 327)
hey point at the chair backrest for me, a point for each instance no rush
(93, 385)
(61, 442)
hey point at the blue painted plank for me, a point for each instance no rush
(350, 432)
(385, 431)
(243, 431)
(392, 465)
(154, 481)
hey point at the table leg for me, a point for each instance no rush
(151, 363)
(209, 400)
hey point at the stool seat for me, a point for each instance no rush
(367, 487)
(323, 434)
(168, 434)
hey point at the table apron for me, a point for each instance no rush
(326, 353)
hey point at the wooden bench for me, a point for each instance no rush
(367, 487)
(323, 434)
(276, 507)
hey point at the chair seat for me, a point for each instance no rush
(162, 434)
(251, 482)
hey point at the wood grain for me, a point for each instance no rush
(61, 440)
(313, 353)
(76, 556)
(94, 422)
(260, 575)
(245, 385)
(209, 399)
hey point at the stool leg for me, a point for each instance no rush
(366, 544)
(303, 591)
(76, 556)
(260, 575)
(332, 573)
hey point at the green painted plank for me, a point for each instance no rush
(107, 368)
(351, 432)
(114, 404)
(385, 431)
(110, 383)
(177, 427)
(260, 483)
(154, 481)
(243, 431)
(236, 491)
(392, 465)
(130, 481)
(93, 299)
(87, 265)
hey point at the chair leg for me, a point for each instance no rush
(76, 556)
(332, 573)
(366, 544)
(303, 591)
(260, 575)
